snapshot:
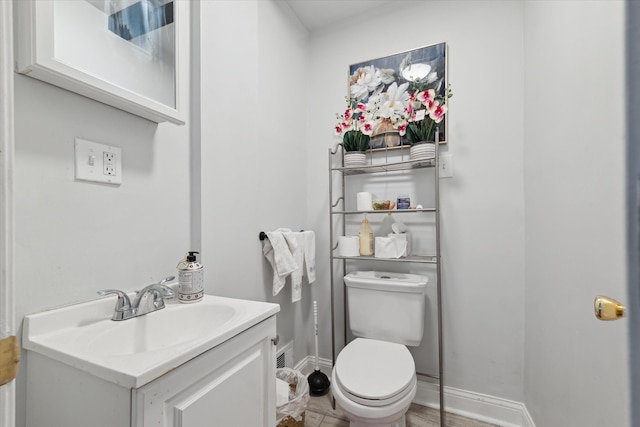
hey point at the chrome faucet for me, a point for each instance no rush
(147, 300)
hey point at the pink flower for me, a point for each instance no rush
(431, 105)
(437, 114)
(337, 129)
(346, 125)
(402, 128)
(367, 128)
(427, 96)
(362, 107)
(347, 114)
(409, 110)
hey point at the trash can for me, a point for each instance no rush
(292, 397)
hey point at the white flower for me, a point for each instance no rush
(387, 75)
(393, 102)
(363, 81)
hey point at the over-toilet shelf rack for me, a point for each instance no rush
(385, 165)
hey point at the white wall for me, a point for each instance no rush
(74, 238)
(254, 93)
(483, 205)
(576, 369)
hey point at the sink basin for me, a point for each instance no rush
(156, 331)
(134, 352)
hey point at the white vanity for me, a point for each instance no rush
(189, 365)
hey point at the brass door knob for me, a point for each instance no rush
(607, 308)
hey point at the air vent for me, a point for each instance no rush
(284, 356)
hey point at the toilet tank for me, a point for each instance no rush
(386, 306)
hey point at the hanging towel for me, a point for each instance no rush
(278, 281)
(277, 250)
(297, 241)
(310, 255)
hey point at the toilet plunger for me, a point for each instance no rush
(318, 382)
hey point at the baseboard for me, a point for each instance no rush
(481, 407)
(307, 365)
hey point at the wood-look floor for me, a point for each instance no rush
(320, 414)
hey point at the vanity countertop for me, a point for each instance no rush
(133, 352)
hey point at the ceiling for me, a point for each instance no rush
(316, 14)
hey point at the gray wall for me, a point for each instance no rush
(253, 120)
(482, 205)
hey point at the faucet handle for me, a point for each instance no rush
(159, 291)
(167, 292)
(151, 298)
(123, 302)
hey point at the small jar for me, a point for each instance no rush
(404, 201)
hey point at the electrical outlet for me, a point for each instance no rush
(98, 162)
(108, 163)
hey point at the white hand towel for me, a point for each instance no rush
(278, 281)
(292, 242)
(310, 255)
(296, 275)
(277, 252)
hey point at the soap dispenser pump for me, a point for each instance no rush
(190, 279)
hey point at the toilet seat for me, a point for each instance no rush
(375, 373)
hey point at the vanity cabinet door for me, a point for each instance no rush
(232, 384)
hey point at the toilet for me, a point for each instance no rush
(374, 376)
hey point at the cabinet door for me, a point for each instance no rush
(230, 385)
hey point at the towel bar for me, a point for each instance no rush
(263, 235)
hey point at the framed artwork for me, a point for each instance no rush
(422, 68)
(124, 53)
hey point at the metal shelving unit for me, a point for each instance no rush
(435, 259)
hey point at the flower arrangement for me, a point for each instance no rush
(355, 126)
(424, 111)
(387, 105)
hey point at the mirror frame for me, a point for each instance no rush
(35, 57)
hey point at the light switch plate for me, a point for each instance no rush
(98, 162)
(446, 166)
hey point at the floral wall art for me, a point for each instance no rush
(402, 97)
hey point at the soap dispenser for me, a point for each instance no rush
(190, 279)
(366, 238)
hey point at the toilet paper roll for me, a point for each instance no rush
(348, 246)
(406, 237)
(364, 199)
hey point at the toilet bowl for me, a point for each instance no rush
(374, 376)
(374, 383)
